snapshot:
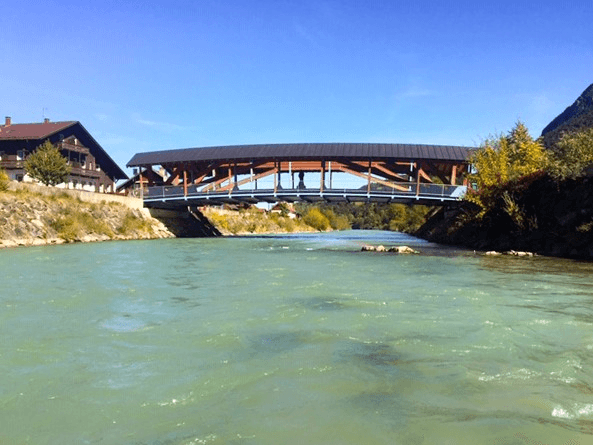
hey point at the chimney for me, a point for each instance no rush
(46, 120)
(7, 121)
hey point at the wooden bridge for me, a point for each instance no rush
(345, 172)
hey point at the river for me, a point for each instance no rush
(299, 339)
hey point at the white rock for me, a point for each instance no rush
(403, 249)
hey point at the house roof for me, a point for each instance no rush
(304, 151)
(33, 131)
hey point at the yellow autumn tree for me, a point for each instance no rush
(501, 163)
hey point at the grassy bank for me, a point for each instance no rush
(31, 218)
(253, 221)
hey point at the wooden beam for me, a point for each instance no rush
(250, 179)
(390, 174)
(423, 173)
(174, 178)
(378, 181)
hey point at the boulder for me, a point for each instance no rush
(402, 249)
(518, 253)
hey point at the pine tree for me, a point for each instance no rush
(47, 165)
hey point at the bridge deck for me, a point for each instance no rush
(426, 194)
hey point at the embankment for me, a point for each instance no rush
(37, 215)
(253, 221)
(32, 215)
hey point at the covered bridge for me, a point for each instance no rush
(307, 171)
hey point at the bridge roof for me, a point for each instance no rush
(325, 151)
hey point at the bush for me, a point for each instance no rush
(132, 223)
(77, 222)
(316, 219)
(4, 180)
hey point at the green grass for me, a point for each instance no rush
(132, 223)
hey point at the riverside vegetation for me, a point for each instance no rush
(318, 217)
(526, 196)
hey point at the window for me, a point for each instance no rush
(20, 155)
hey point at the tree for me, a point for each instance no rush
(316, 219)
(502, 163)
(572, 155)
(47, 165)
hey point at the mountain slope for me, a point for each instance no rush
(576, 117)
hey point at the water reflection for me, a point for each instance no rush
(536, 265)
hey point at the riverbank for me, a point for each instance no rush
(33, 215)
(549, 218)
(253, 221)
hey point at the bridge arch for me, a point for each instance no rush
(422, 174)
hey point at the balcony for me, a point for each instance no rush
(76, 148)
(80, 170)
(10, 164)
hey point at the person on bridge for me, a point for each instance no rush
(302, 181)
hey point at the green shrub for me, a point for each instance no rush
(74, 223)
(67, 227)
(572, 155)
(132, 223)
(4, 180)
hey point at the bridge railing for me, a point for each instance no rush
(408, 190)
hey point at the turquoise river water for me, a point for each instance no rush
(300, 339)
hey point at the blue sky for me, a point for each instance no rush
(144, 76)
